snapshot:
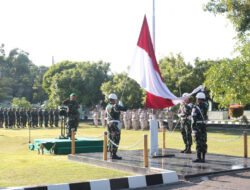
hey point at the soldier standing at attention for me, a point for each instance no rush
(56, 117)
(143, 120)
(46, 118)
(40, 117)
(1, 117)
(29, 117)
(199, 116)
(23, 117)
(135, 119)
(113, 111)
(73, 114)
(17, 113)
(51, 118)
(184, 113)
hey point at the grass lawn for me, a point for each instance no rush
(21, 167)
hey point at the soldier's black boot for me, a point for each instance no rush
(203, 157)
(198, 159)
(183, 151)
(114, 156)
(188, 151)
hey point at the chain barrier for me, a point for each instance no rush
(129, 147)
(88, 137)
(171, 132)
(224, 141)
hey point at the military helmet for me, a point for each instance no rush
(113, 96)
(200, 95)
(72, 94)
(184, 94)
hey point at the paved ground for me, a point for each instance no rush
(228, 181)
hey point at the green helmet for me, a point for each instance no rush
(73, 94)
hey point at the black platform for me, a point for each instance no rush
(181, 163)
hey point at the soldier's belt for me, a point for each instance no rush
(117, 121)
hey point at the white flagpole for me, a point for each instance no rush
(154, 24)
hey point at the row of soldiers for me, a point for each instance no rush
(137, 118)
(21, 118)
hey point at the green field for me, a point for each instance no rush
(21, 167)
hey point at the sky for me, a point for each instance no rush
(108, 30)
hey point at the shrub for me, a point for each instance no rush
(236, 110)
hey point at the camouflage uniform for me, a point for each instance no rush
(114, 133)
(34, 117)
(1, 118)
(51, 118)
(5, 113)
(40, 118)
(184, 113)
(18, 124)
(199, 115)
(11, 118)
(46, 117)
(56, 117)
(23, 118)
(73, 116)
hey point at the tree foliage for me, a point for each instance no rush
(238, 11)
(228, 81)
(19, 74)
(126, 89)
(21, 103)
(82, 78)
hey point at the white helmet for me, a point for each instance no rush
(184, 94)
(113, 96)
(200, 95)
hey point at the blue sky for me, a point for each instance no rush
(108, 30)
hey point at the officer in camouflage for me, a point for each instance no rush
(199, 116)
(184, 114)
(113, 111)
(72, 114)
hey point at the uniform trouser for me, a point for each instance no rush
(56, 123)
(114, 134)
(186, 132)
(144, 124)
(127, 124)
(170, 124)
(135, 124)
(71, 123)
(201, 138)
(161, 124)
(18, 123)
(51, 122)
(103, 122)
(95, 122)
(41, 122)
(46, 122)
(35, 123)
(1, 124)
(24, 121)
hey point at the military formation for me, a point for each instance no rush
(36, 118)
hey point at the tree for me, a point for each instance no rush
(228, 81)
(126, 89)
(235, 10)
(21, 103)
(84, 79)
(177, 74)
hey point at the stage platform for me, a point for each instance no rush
(132, 161)
(63, 146)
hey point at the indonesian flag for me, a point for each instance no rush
(146, 73)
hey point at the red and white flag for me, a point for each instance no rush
(146, 73)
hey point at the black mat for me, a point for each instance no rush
(181, 163)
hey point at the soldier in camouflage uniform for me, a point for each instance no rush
(34, 118)
(11, 118)
(5, 113)
(1, 118)
(46, 118)
(40, 118)
(18, 124)
(23, 117)
(184, 114)
(29, 117)
(56, 117)
(199, 115)
(72, 114)
(113, 111)
(51, 118)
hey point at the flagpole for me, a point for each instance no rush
(154, 24)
